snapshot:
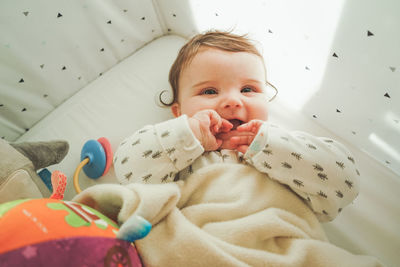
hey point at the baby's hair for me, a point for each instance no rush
(226, 41)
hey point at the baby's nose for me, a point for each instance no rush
(232, 101)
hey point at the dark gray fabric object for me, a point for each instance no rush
(43, 154)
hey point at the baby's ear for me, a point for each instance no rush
(43, 154)
(176, 110)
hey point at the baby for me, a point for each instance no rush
(220, 184)
(220, 101)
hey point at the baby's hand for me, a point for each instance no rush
(251, 126)
(242, 137)
(205, 125)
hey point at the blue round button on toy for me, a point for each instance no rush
(93, 150)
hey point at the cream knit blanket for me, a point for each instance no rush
(222, 215)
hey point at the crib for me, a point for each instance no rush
(79, 70)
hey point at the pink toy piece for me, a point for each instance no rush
(59, 182)
(109, 154)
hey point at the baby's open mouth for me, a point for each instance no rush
(236, 123)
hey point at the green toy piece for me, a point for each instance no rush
(18, 166)
(75, 218)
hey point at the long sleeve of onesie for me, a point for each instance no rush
(156, 153)
(320, 170)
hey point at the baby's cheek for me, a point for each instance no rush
(259, 110)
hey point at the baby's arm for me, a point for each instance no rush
(156, 153)
(320, 170)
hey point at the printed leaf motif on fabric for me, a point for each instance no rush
(296, 155)
(298, 183)
(340, 164)
(147, 153)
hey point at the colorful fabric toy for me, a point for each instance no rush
(51, 232)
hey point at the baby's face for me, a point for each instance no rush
(231, 83)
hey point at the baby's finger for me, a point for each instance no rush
(226, 126)
(211, 143)
(226, 144)
(242, 140)
(242, 148)
(246, 127)
(215, 121)
(251, 126)
(215, 129)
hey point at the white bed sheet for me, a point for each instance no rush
(122, 100)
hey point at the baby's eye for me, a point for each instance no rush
(209, 91)
(247, 90)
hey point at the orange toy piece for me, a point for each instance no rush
(59, 183)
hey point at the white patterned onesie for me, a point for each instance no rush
(319, 170)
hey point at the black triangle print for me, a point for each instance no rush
(338, 111)
(21, 81)
(42, 66)
(1, 105)
(64, 68)
(334, 55)
(125, 10)
(102, 50)
(143, 18)
(109, 22)
(387, 95)
(307, 68)
(174, 15)
(392, 69)
(270, 31)
(24, 109)
(370, 33)
(314, 116)
(59, 15)
(26, 13)
(45, 95)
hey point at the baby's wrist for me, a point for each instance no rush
(259, 142)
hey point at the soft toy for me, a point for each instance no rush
(18, 166)
(52, 232)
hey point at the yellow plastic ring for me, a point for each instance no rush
(76, 174)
